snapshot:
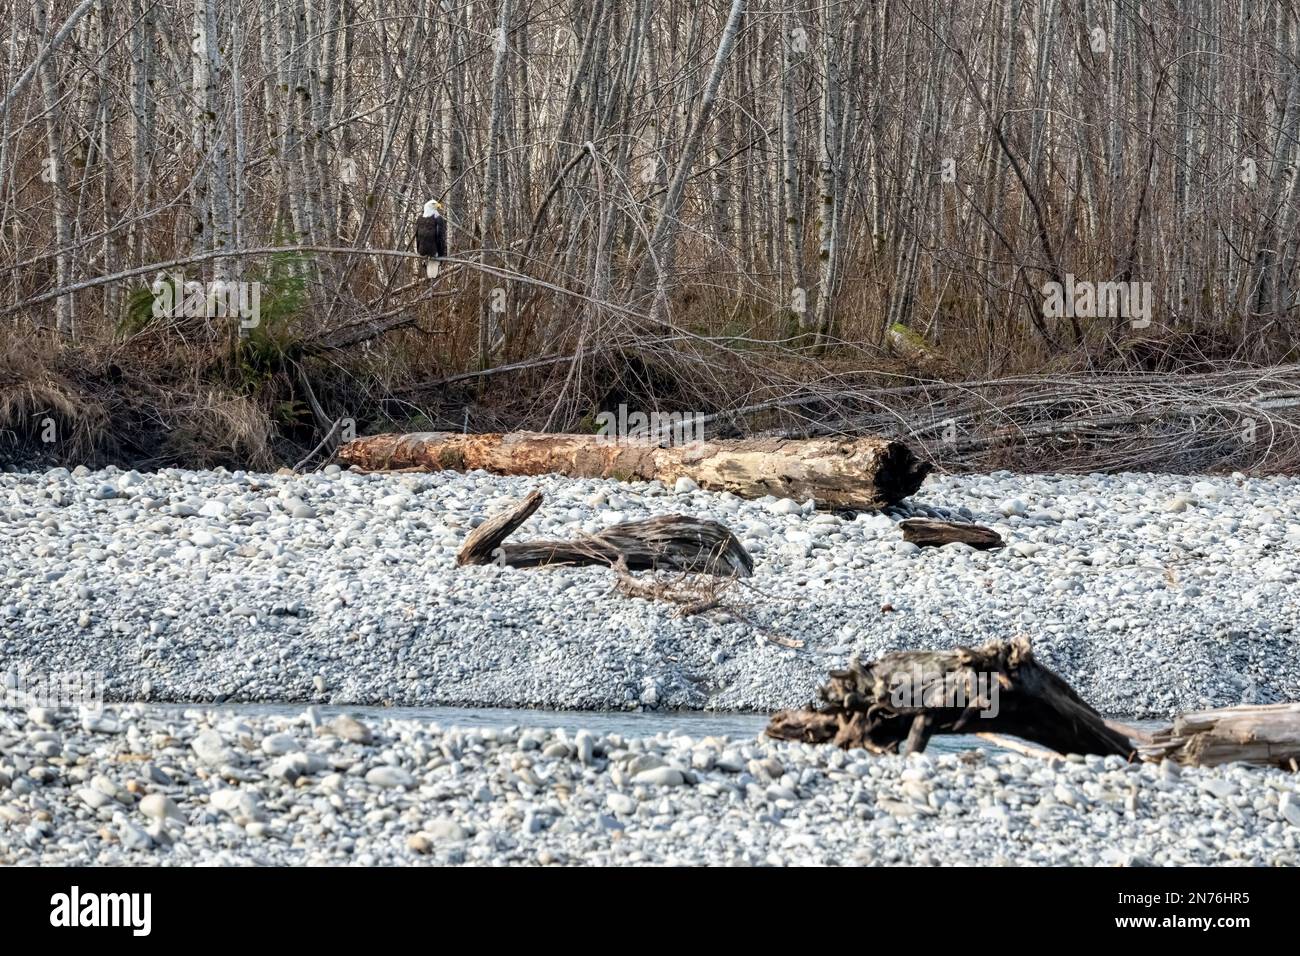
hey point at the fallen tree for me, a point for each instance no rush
(861, 474)
(896, 703)
(669, 542)
(1267, 734)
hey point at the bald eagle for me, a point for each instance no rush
(431, 237)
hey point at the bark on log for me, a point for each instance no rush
(905, 697)
(1266, 734)
(862, 474)
(927, 533)
(669, 542)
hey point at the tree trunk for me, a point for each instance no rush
(491, 298)
(794, 47)
(663, 241)
(56, 173)
(854, 473)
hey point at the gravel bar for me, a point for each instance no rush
(147, 785)
(1149, 593)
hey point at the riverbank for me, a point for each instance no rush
(145, 785)
(1150, 594)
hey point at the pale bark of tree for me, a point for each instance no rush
(834, 146)
(56, 167)
(48, 45)
(322, 118)
(452, 122)
(143, 117)
(793, 34)
(217, 140)
(239, 136)
(203, 126)
(489, 323)
(663, 241)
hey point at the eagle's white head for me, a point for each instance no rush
(432, 208)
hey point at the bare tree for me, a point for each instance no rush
(622, 169)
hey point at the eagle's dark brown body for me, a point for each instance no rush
(431, 236)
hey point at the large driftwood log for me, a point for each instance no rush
(1267, 734)
(669, 542)
(899, 701)
(927, 533)
(862, 474)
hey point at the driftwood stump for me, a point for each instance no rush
(927, 533)
(896, 703)
(670, 542)
(861, 474)
(1265, 734)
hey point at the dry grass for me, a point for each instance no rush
(42, 413)
(162, 396)
(105, 404)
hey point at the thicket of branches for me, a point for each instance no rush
(716, 203)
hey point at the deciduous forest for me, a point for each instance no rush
(807, 217)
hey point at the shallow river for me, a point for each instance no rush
(627, 723)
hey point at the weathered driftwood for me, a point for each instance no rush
(482, 543)
(1267, 734)
(861, 474)
(896, 703)
(669, 542)
(928, 533)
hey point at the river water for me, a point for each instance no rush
(628, 723)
